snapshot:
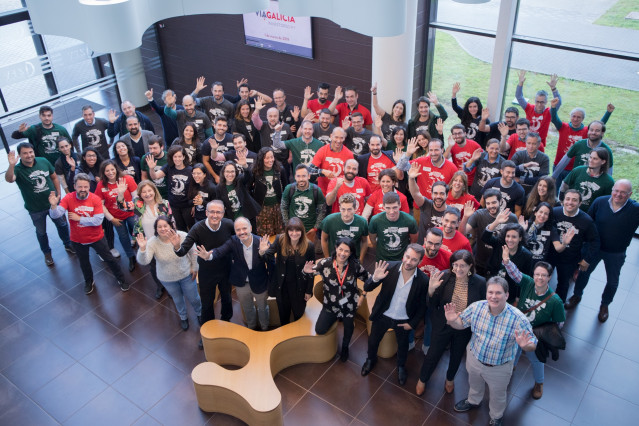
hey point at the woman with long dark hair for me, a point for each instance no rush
(543, 191)
(177, 274)
(458, 195)
(201, 191)
(127, 161)
(342, 297)
(541, 232)
(115, 186)
(178, 177)
(385, 123)
(291, 288)
(233, 191)
(66, 164)
(191, 143)
(244, 126)
(397, 139)
(470, 116)
(461, 286)
(266, 188)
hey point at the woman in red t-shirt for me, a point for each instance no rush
(114, 185)
(387, 181)
(458, 195)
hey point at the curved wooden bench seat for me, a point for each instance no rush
(249, 393)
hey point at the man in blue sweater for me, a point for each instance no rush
(616, 217)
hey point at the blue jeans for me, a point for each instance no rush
(613, 263)
(125, 230)
(537, 366)
(39, 220)
(184, 287)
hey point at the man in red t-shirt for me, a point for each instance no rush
(509, 145)
(434, 167)
(462, 150)
(330, 159)
(85, 223)
(538, 114)
(436, 258)
(316, 105)
(453, 239)
(371, 164)
(345, 109)
(350, 183)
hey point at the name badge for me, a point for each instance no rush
(55, 133)
(354, 228)
(199, 121)
(249, 160)
(405, 229)
(283, 132)
(426, 169)
(360, 190)
(545, 232)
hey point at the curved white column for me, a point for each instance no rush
(129, 72)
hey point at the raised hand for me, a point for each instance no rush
(122, 186)
(476, 154)
(554, 102)
(113, 115)
(522, 221)
(309, 267)
(296, 113)
(522, 77)
(241, 158)
(13, 158)
(259, 103)
(378, 122)
(241, 82)
(278, 126)
(456, 87)
(450, 312)
(397, 155)
(374, 89)
(505, 253)
(381, 271)
(339, 92)
(610, 108)
(149, 95)
(169, 99)
(264, 244)
(23, 127)
(203, 253)
(339, 183)
(308, 93)
(309, 117)
(570, 233)
(523, 338)
(503, 216)
(152, 162)
(53, 199)
(411, 146)
(414, 171)
(432, 97)
(435, 280)
(469, 209)
(174, 238)
(141, 240)
(199, 84)
(346, 122)
(503, 128)
(197, 200)
(485, 113)
(553, 82)
(439, 125)
(70, 161)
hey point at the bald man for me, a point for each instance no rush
(350, 183)
(616, 217)
(267, 132)
(190, 115)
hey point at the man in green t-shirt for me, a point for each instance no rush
(43, 136)
(156, 149)
(303, 148)
(345, 224)
(305, 201)
(591, 181)
(36, 179)
(392, 230)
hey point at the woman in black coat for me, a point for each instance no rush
(462, 287)
(290, 287)
(233, 191)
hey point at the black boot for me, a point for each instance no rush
(132, 263)
(158, 291)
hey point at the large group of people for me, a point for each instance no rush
(466, 232)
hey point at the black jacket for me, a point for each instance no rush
(444, 295)
(258, 186)
(304, 281)
(416, 302)
(250, 208)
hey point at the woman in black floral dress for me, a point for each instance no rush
(339, 273)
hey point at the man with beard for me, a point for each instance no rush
(511, 143)
(346, 109)
(431, 213)
(510, 117)
(169, 125)
(345, 224)
(479, 220)
(400, 305)
(371, 164)
(303, 148)
(43, 136)
(138, 139)
(584, 246)
(268, 130)
(287, 114)
(214, 106)
(512, 193)
(239, 145)
(453, 239)
(486, 165)
(92, 132)
(350, 183)
(214, 148)
(156, 149)
(461, 150)
(190, 115)
(305, 201)
(117, 123)
(434, 167)
(531, 163)
(323, 129)
(315, 106)
(538, 114)
(85, 223)
(580, 151)
(244, 92)
(591, 181)
(329, 160)
(357, 136)
(395, 228)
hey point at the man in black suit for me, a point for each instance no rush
(250, 271)
(400, 305)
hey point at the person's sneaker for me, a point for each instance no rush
(115, 253)
(411, 345)
(464, 405)
(425, 349)
(124, 286)
(184, 324)
(538, 390)
(88, 287)
(69, 249)
(343, 356)
(48, 259)
(496, 422)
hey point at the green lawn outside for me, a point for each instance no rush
(616, 15)
(452, 64)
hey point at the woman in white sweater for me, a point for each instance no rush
(177, 274)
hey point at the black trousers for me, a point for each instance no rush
(101, 247)
(289, 300)
(208, 282)
(183, 219)
(327, 318)
(379, 328)
(439, 340)
(564, 274)
(109, 235)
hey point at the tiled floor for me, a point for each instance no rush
(121, 358)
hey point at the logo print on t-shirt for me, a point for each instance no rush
(358, 145)
(306, 155)
(336, 165)
(179, 185)
(302, 206)
(49, 143)
(39, 180)
(487, 173)
(93, 136)
(393, 237)
(535, 123)
(587, 189)
(234, 200)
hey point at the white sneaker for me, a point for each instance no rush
(425, 348)
(411, 345)
(115, 253)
